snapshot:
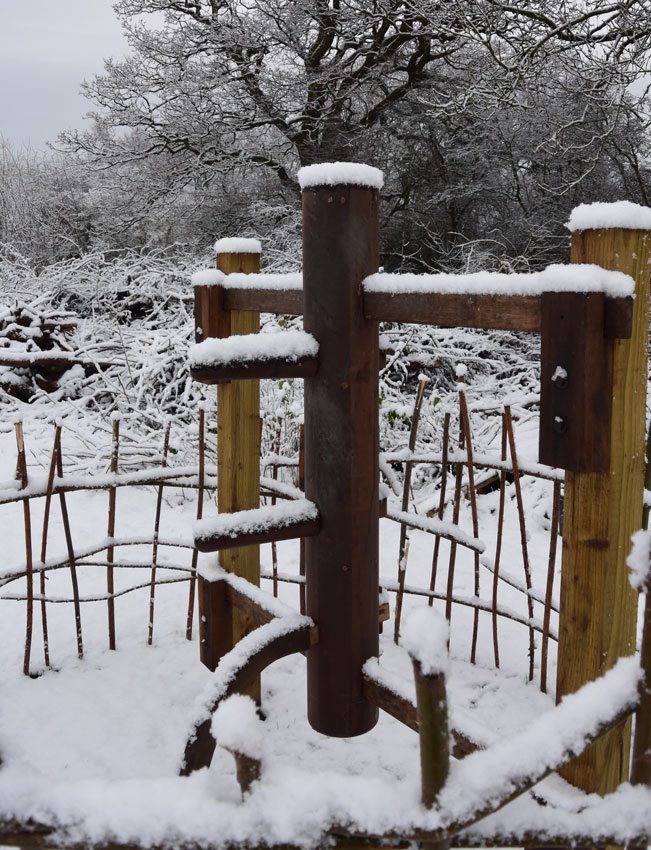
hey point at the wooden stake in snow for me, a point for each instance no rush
(21, 470)
(403, 549)
(115, 450)
(154, 552)
(601, 511)
(200, 490)
(46, 522)
(441, 508)
(425, 638)
(69, 545)
(523, 530)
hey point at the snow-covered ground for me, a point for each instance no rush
(96, 744)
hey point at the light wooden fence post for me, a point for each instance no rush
(238, 437)
(238, 455)
(601, 510)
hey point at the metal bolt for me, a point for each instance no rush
(560, 425)
(559, 378)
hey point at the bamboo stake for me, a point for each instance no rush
(441, 508)
(154, 551)
(498, 547)
(413, 433)
(465, 422)
(274, 549)
(200, 493)
(69, 545)
(115, 450)
(403, 549)
(21, 469)
(46, 522)
(553, 539)
(402, 572)
(523, 530)
(458, 477)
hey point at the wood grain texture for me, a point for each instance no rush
(286, 302)
(490, 312)
(598, 606)
(238, 449)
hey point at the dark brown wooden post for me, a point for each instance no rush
(215, 617)
(340, 248)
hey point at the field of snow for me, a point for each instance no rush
(97, 742)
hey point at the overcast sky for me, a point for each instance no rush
(47, 47)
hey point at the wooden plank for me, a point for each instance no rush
(290, 530)
(576, 376)
(340, 248)
(270, 368)
(489, 312)
(601, 510)
(286, 302)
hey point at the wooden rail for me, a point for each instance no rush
(485, 312)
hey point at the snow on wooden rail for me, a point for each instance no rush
(298, 518)
(486, 300)
(283, 354)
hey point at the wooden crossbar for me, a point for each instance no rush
(275, 368)
(485, 312)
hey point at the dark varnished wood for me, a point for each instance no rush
(572, 338)
(288, 531)
(286, 302)
(340, 248)
(269, 368)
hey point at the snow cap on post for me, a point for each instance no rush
(237, 245)
(602, 216)
(425, 636)
(207, 277)
(340, 174)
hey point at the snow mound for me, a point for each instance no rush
(555, 278)
(207, 277)
(425, 636)
(251, 348)
(639, 560)
(236, 726)
(340, 174)
(623, 214)
(237, 245)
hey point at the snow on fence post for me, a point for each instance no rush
(602, 509)
(340, 248)
(238, 452)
